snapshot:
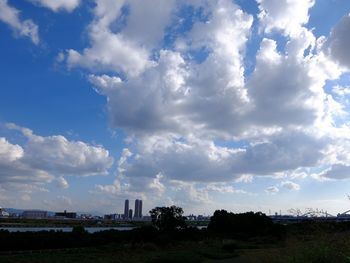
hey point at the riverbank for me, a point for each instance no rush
(296, 248)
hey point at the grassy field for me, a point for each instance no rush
(318, 248)
(147, 252)
(304, 242)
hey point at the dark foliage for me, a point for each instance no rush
(168, 218)
(243, 225)
(17, 241)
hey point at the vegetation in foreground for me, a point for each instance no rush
(248, 237)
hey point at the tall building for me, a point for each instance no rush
(138, 209)
(130, 213)
(126, 209)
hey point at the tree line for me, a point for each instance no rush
(168, 225)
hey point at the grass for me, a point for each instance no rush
(183, 252)
(314, 248)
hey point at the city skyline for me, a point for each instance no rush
(240, 105)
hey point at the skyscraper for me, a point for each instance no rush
(138, 209)
(126, 209)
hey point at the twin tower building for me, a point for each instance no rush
(128, 213)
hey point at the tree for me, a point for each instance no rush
(246, 224)
(168, 218)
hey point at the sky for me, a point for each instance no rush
(240, 105)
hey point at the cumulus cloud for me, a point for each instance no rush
(195, 120)
(185, 97)
(128, 50)
(287, 16)
(9, 152)
(181, 96)
(40, 159)
(60, 156)
(11, 16)
(337, 44)
(57, 5)
(198, 160)
(14, 170)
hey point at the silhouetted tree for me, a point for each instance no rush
(245, 224)
(168, 218)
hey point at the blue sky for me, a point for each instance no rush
(241, 105)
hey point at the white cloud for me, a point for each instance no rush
(9, 152)
(60, 156)
(126, 153)
(127, 51)
(62, 182)
(285, 15)
(157, 185)
(11, 16)
(14, 170)
(182, 96)
(223, 188)
(206, 120)
(290, 185)
(57, 5)
(198, 160)
(272, 190)
(40, 159)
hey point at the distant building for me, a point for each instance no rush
(111, 217)
(191, 217)
(86, 216)
(34, 214)
(66, 214)
(130, 214)
(138, 209)
(126, 209)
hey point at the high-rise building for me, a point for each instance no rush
(130, 213)
(126, 209)
(138, 209)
